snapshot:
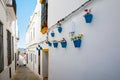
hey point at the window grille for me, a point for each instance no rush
(9, 47)
(44, 10)
(1, 48)
(12, 48)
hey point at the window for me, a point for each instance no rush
(1, 48)
(27, 58)
(44, 10)
(31, 57)
(35, 58)
(9, 47)
(12, 48)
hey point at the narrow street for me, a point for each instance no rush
(59, 40)
(23, 73)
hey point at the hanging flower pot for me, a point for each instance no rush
(88, 16)
(59, 29)
(64, 44)
(77, 40)
(55, 43)
(50, 44)
(77, 43)
(52, 34)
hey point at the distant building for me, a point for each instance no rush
(8, 38)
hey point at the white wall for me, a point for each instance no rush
(7, 25)
(98, 56)
(32, 43)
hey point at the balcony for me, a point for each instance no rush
(11, 9)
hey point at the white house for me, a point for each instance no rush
(8, 38)
(98, 58)
(37, 59)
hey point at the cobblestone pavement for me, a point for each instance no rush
(23, 73)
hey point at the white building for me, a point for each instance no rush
(34, 38)
(8, 38)
(98, 56)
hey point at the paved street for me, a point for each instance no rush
(23, 73)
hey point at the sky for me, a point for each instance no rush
(25, 9)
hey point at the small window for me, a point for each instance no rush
(9, 47)
(31, 57)
(12, 48)
(1, 48)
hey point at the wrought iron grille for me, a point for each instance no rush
(9, 47)
(1, 48)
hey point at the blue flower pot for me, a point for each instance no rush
(59, 29)
(52, 34)
(50, 44)
(64, 44)
(77, 43)
(88, 17)
(55, 45)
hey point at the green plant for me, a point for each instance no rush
(77, 37)
(55, 41)
(47, 42)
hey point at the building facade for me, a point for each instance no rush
(35, 38)
(8, 38)
(96, 54)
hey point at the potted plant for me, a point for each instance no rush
(77, 40)
(52, 34)
(63, 43)
(55, 43)
(88, 16)
(59, 27)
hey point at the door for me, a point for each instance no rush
(45, 64)
(10, 75)
(39, 62)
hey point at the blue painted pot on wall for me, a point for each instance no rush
(50, 44)
(64, 44)
(88, 17)
(52, 34)
(77, 43)
(59, 29)
(55, 45)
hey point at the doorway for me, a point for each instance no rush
(45, 64)
(15, 61)
(10, 75)
(39, 62)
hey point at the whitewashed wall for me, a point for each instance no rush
(5, 18)
(32, 44)
(98, 58)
